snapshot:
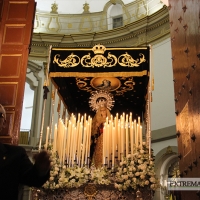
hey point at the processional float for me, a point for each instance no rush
(84, 79)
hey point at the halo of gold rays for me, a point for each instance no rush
(99, 98)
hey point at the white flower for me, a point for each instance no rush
(146, 182)
(152, 179)
(125, 170)
(142, 176)
(137, 173)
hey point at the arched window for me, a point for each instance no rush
(115, 16)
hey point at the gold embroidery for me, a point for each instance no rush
(126, 60)
(99, 61)
(71, 61)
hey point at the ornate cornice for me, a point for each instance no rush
(142, 32)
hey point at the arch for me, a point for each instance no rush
(164, 159)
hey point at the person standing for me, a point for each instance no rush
(16, 168)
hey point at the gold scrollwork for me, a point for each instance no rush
(71, 61)
(82, 84)
(99, 60)
(129, 85)
(126, 60)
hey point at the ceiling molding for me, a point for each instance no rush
(140, 33)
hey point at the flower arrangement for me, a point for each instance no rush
(69, 177)
(134, 171)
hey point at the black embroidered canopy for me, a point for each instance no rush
(123, 72)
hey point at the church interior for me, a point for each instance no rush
(163, 94)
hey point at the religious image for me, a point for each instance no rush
(105, 83)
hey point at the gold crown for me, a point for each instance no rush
(99, 49)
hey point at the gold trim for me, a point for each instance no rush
(97, 74)
(86, 49)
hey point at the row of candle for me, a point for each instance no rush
(72, 139)
(120, 137)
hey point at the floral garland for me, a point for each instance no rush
(133, 172)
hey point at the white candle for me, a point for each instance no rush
(131, 137)
(108, 144)
(122, 140)
(141, 136)
(68, 141)
(47, 136)
(104, 142)
(89, 134)
(127, 139)
(116, 131)
(55, 138)
(113, 146)
(138, 135)
(83, 150)
(119, 139)
(64, 145)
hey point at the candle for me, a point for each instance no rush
(127, 140)
(138, 135)
(141, 136)
(122, 139)
(71, 144)
(130, 119)
(131, 137)
(55, 138)
(83, 150)
(64, 145)
(108, 144)
(86, 143)
(116, 131)
(68, 141)
(113, 146)
(89, 135)
(104, 141)
(47, 136)
(61, 142)
(119, 139)
(79, 117)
